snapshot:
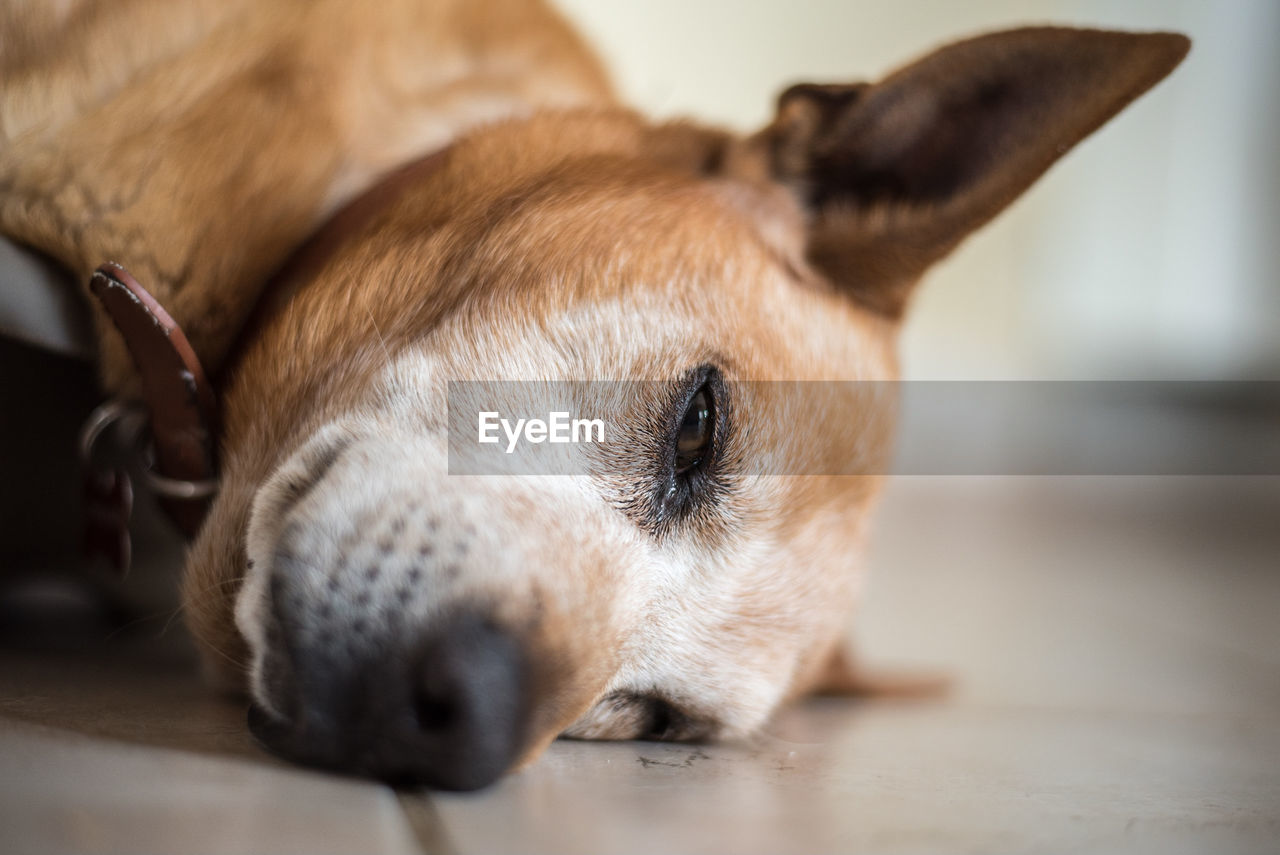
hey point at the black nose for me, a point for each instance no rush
(449, 713)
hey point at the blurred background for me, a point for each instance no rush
(1112, 641)
(1152, 251)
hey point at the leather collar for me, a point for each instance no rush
(181, 413)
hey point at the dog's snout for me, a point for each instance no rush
(450, 711)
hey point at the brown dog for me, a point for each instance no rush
(397, 620)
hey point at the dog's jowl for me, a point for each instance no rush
(495, 216)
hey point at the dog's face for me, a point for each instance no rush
(403, 621)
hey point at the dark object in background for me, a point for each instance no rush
(47, 588)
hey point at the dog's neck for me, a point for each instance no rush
(280, 120)
(312, 254)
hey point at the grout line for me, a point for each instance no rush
(425, 822)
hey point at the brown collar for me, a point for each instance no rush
(180, 400)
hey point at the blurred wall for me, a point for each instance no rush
(1151, 251)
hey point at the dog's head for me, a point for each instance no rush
(402, 621)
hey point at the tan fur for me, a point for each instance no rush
(553, 244)
(201, 141)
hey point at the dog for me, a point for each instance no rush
(389, 618)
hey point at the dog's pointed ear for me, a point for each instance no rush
(895, 174)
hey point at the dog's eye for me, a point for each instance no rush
(688, 469)
(697, 429)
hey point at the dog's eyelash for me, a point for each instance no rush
(673, 491)
(688, 481)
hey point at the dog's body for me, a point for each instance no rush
(401, 621)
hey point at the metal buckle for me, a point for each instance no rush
(108, 488)
(131, 420)
(104, 417)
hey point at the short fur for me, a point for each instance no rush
(562, 237)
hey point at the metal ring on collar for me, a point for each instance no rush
(133, 425)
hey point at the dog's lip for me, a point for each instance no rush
(279, 737)
(275, 735)
(264, 726)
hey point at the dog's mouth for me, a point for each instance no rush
(452, 713)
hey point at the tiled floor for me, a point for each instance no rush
(1115, 645)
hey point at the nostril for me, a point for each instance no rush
(434, 712)
(470, 700)
(466, 670)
